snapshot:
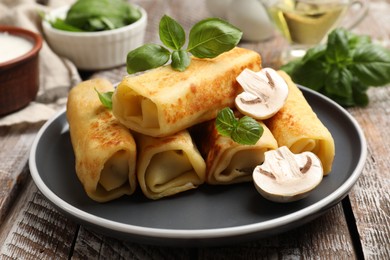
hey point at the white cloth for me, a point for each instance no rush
(57, 74)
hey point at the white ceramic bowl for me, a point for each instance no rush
(95, 50)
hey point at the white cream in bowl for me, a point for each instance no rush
(13, 46)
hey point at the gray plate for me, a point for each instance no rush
(209, 215)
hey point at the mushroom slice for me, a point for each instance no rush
(286, 177)
(265, 92)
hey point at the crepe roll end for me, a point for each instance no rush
(116, 170)
(140, 113)
(169, 165)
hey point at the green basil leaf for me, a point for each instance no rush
(371, 64)
(312, 74)
(309, 71)
(315, 53)
(211, 37)
(180, 60)
(337, 50)
(87, 14)
(171, 33)
(61, 25)
(132, 13)
(99, 24)
(105, 98)
(343, 101)
(292, 66)
(248, 131)
(347, 67)
(146, 57)
(225, 122)
(360, 96)
(339, 83)
(355, 41)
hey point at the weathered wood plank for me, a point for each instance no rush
(371, 196)
(92, 246)
(15, 144)
(35, 230)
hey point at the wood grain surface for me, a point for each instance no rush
(359, 227)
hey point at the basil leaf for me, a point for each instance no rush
(292, 66)
(309, 71)
(105, 98)
(339, 82)
(99, 24)
(311, 74)
(211, 37)
(371, 64)
(315, 53)
(146, 57)
(248, 131)
(61, 25)
(180, 60)
(348, 65)
(360, 96)
(355, 41)
(97, 15)
(343, 101)
(337, 50)
(171, 33)
(225, 122)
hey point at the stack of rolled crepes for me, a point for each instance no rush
(171, 115)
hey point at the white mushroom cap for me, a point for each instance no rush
(265, 93)
(286, 177)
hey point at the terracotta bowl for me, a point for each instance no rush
(19, 76)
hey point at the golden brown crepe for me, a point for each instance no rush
(163, 101)
(105, 151)
(168, 165)
(228, 162)
(298, 127)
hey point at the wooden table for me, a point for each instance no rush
(358, 227)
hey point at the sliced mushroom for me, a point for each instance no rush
(265, 92)
(286, 177)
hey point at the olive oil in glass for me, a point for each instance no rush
(304, 23)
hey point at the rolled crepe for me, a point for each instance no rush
(168, 165)
(105, 151)
(163, 101)
(228, 162)
(297, 126)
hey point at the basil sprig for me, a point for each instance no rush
(105, 98)
(246, 130)
(344, 68)
(207, 39)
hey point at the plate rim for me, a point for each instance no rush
(206, 233)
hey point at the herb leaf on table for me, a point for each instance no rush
(344, 68)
